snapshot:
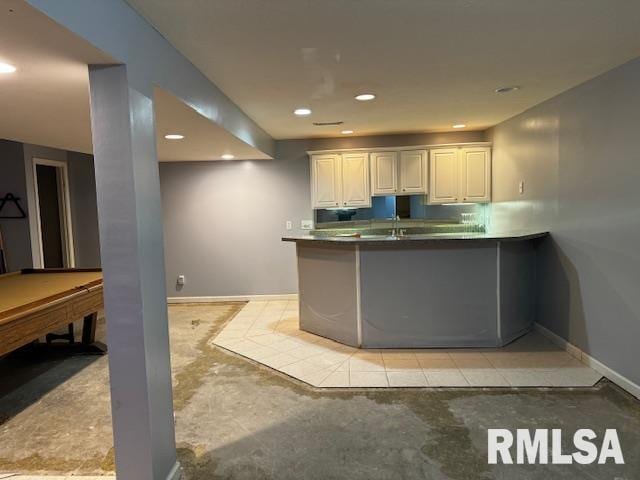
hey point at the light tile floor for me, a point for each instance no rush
(267, 332)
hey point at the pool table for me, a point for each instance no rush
(35, 302)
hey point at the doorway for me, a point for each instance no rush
(54, 230)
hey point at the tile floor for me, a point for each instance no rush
(267, 332)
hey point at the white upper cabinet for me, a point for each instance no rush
(384, 173)
(460, 174)
(443, 175)
(355, 180)
(326, 182)
(340, 180)
(448, 174)
(475, 174)
(413, 172)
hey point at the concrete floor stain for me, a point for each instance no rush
(313, 433)
(191, 377)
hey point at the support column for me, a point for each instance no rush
(131, 246)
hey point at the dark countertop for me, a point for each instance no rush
(513, 235)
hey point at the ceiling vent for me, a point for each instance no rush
(327, 124)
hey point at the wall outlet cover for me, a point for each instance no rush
(181, 280)
(289, 225)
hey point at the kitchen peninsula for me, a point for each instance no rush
(423, 290)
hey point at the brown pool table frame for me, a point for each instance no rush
(27, 323)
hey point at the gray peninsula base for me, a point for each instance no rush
(444, 293)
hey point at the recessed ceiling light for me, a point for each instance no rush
(174, 136)
(302, 112)
(365, 97)
(6, 68)
(459, 125)
(228, 156)
(346, 132)
(507, 89)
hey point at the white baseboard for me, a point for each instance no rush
(232, 298)
(176, 472)
(620, 380)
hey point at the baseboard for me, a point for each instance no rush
(176, 472)
(559, 341)
(620, 380)
(232, 298)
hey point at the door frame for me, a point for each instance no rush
(66, 227)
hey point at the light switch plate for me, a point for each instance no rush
(306, 224)
(289, 225)
(521, 187)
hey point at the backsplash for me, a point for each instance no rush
(409, 207)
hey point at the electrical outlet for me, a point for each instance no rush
(521, 187)
(306, 224)
(289, 225)
(180, 280)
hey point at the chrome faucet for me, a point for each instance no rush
(394, 231)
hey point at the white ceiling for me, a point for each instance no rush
(46, 102)
(433, 63)
(204, 140)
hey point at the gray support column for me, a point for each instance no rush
(131, 245)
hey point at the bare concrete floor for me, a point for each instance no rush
(238, 420)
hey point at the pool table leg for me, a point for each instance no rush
(89, 345)
(89, 328)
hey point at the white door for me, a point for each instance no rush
(384, 173)
(475, 174)
(52, 228)
(443, 175)
(355, 180)
(413, 167)
(325, 181)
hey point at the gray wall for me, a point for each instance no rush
(84, 209)
(82, 196)
(12, 180)
(16, 177)
(223, 220)
(579, 157)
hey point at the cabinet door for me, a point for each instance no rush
(325, 181)
(413, 167)
(384, 173)
(355, 180)
(443, 175)
(475, 174)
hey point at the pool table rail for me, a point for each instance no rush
(26, 323)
